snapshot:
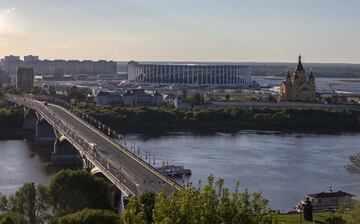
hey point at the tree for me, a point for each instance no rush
(27, 203)
(43, 203)
(75, 93)
(71, 191)
(355, 213)
(227, 97)
(354, 166)
(214, 204)
(36, 90)
(147, 201)
(308, 210)
(24, 202)
(90, 216)
(184, 94)
(133, 213)
(196, 99)
(13, 218)
(52, 90)
(3, 203)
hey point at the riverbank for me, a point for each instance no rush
(149, 120)
(14, 134)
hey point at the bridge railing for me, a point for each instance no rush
(91, 151)
(121, 174)
(108, 133)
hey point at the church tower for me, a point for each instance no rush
(299, 86)
(300, 71)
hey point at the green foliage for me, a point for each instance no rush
(11, 117)
(52, 90)
(3, 203)
(24, 201)
(335, 219)
(11, 90)
(214, 204)
(143, 119)
(13, 218)
(67, 192)
(355, 214)
(2, 103)
(147, 201)
(133, 213)
(196, 99)
(71, 191)
(90, 216)
(36, 90)
(354, 166)
(78, 94)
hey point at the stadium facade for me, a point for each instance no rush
(189, 74)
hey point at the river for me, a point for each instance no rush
(284, 166)
(20, 162)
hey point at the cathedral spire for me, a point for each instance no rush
(299, 67)
(311, 76)
(288, 76)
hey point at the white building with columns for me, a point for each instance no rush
(216, 74)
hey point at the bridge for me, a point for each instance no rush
(97, 151)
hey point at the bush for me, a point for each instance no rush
(90, 216)
(71, 191)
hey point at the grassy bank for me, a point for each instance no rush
(318, 217)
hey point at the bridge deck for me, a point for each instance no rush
(122, 167)
(137, 176)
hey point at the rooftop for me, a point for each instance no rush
(331, 194)
(190, 63)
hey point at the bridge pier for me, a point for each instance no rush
(119, 202)
(30, 120)
(96, 149)
(44, 133)
(65, 154)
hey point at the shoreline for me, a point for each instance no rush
(14, 134)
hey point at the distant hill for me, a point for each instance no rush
(333, 70)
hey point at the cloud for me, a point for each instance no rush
(9, 11)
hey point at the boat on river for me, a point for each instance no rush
(174, 171)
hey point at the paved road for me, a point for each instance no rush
(136, 176)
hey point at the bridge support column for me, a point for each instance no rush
(65, 154)
(30, 120)
(119, 202)
(44, 133)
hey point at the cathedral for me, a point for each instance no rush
(299, 86)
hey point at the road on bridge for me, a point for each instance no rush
(137, 176)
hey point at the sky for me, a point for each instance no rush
(182, 30)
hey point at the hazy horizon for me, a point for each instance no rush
(323, 31)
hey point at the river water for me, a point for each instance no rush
(20, 162)
(284, 166)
